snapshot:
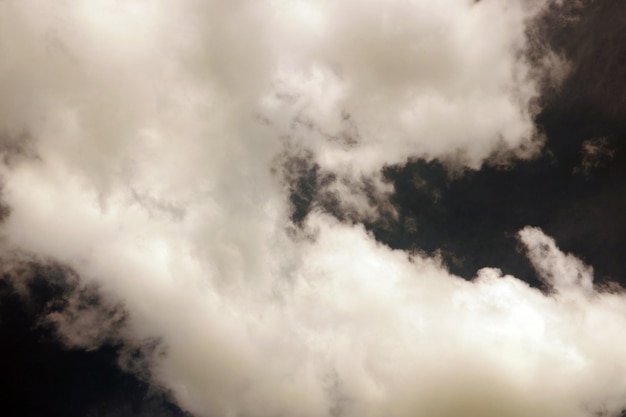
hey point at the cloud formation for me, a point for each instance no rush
(595, 153)
(143, 145)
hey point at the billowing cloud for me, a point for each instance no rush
(145, 147)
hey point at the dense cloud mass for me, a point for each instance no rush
(152, 147)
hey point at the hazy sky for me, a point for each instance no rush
(313, 208)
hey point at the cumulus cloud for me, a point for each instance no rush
(561, 272)
(147, 143)
(426, 79)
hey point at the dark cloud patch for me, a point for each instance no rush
(310, 187)
(594, 40)
(596, 153)
(301, 174)
(16, 146)
(157, 207)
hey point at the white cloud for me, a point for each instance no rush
(564, 273)
(156, 126)
(420, 78)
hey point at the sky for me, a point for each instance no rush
(312, 208)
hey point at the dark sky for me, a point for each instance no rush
(42, 377)
(470, 218)
(475, 216)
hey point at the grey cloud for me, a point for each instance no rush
(595, 153)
